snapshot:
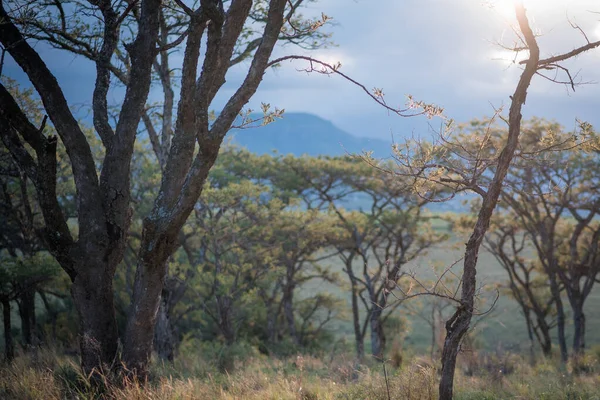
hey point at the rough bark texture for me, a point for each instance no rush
(579, 329)
(164, 340)
(92, 293)
(458, 324)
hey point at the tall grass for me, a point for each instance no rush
(46, 375)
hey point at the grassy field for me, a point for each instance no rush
(50, 377)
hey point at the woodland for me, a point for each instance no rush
(142, 256)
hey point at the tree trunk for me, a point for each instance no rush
(545, 340)
(92, 293)
(288, 310)
(579, 329)
(27, 313)
(530, 334)
(147, 289)
(164, 340)
(457, 326)
(377, 333)
(358, 337)
(9, 348)
(560, 321)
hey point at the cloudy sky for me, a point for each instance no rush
(440, 51)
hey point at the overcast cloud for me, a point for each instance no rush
(440, 51)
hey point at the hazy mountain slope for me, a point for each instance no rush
(300, 133)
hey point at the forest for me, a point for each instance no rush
(145, 256)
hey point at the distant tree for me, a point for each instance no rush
(21, 278)
(302, 244)
(131, 40)
(554, 200)
(387, 231)
(527, 283)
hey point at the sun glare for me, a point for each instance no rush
(506, 8)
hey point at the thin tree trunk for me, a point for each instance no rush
(9, 348)
(27, 313)
(545, 340)
(358, 337)
(530, 334)
(579, 329)
(560, 321)
(458, 324)
(288, 310)
(92, 293)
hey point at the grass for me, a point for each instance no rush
(47, 376)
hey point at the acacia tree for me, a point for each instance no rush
(479, 167)
(374, 242)
(528, 219)
(527, 283)
(134, 34)
(554, 199)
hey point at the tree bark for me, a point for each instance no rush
(92, 293)
(579, 329)
(377, 333)
(139, 334)
(9, 347)
(164, 340)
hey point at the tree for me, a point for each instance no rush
(132, 35)
(374, 242)
(554, 201)
(527, 283)
(479, 167)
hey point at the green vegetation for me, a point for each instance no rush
(144, 259)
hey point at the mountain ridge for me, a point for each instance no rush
(303, 133)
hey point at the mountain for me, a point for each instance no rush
(302, 133)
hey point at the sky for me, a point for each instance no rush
(440, 51)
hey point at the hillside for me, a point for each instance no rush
(302, 133)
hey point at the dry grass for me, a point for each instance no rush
(47, 376)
